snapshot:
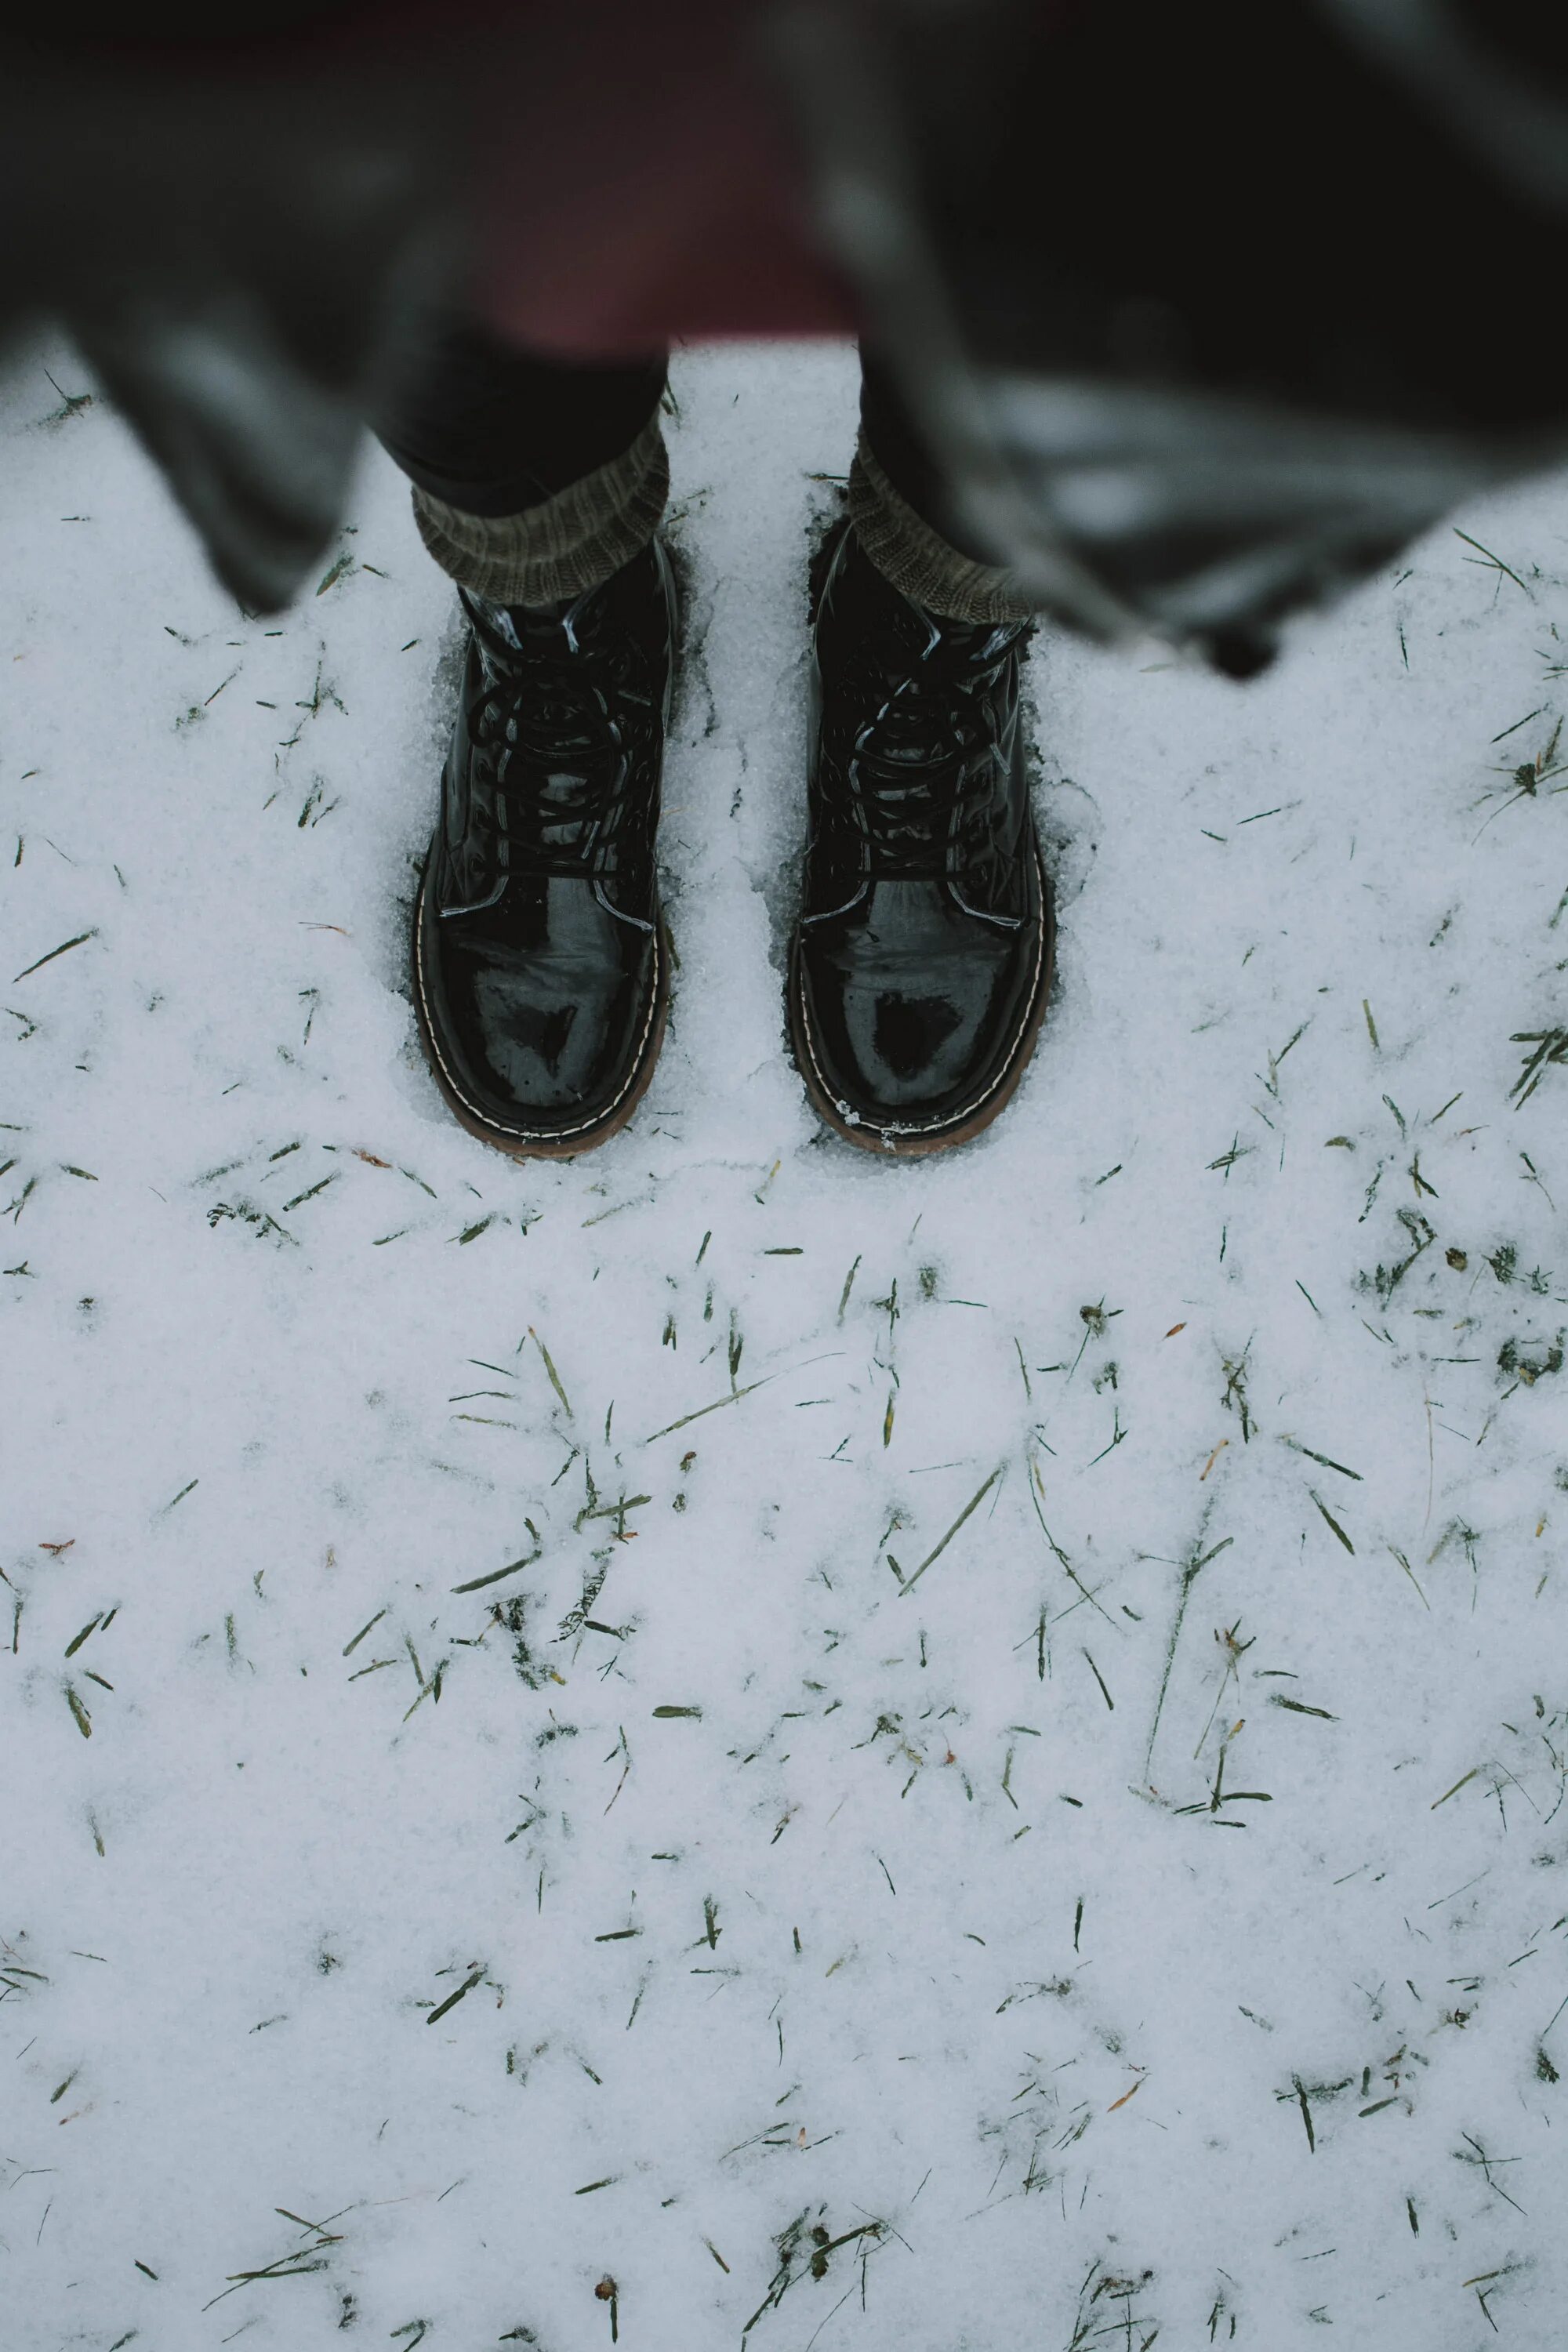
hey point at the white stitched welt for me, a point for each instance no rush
(952, 1118)
(531, 1134)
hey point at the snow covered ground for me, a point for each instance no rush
(728, 1737)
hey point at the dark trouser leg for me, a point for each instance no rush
(903, 515)
(533, 478)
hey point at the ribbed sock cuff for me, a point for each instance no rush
(569, 544)
(918, 561)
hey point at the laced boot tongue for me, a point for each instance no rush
(557, 746)
(910, 774)
(516, 622)
(920, 760)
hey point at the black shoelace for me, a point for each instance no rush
(923, 767)
(559, 715)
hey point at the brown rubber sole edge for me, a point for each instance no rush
(923, 1147)
(525, 1148)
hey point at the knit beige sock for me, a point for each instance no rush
(571, 543)
(918, 561)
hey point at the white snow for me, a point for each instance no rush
(796, 1900)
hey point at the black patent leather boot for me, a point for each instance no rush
(541, 965)
(922, 960)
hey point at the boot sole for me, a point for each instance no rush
(892, 1143)
(520, 1145)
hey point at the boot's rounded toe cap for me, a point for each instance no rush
(908, 1052)
(535, 1049)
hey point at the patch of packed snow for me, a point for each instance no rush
(730, 1737)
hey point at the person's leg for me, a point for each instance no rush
(903, 516)
(922, 962)
(541, 970)
(533, 478)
